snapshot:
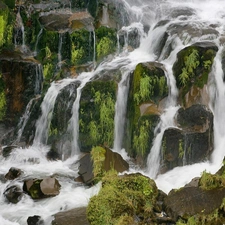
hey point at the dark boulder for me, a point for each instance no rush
(35, 220)
(13, 194)
(13, 173)
(192, 141)
(42, 188)
(6, 151)
(110, 160)
(189, 201)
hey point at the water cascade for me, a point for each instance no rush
(160, 31)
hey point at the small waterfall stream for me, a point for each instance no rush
(140, 14)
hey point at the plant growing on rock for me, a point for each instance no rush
(121, 198)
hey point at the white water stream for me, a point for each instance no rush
(33, 162)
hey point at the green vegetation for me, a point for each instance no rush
(81, 47)
(181, 149)
(2, 105)
(97, 111)
(209, 181)
(98, 158)
(122, 198)
(105, 41)
(191, 62)
(141, 138)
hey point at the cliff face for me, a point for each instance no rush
(48, 41)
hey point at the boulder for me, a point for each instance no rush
(6, 151)
(192, 141)
(71, 217)
(190, 201)
(42, 188)
(13, 173)
(13, 194)
(110, 160)
(35, 220)
(191, 71)
(66, 21)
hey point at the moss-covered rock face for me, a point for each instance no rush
(192, 69)
(19, 82)
(105, 41)
(123, 198)
(97, 111)
(6, 26)
(148, 86)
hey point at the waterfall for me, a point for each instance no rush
(218, 107)
(163, 29)
(94, 52)
(60, 50)
(47, 106)
(37, 41)
(120, 109)
(20, 34)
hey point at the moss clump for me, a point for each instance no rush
(122, 198)
(105, 41)
(2, 105)
(209, 181)
(148, 85)
(98, 158)
(193, 66)
(143, 135)
(81, 47)
(97, 111)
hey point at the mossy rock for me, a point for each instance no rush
(97, 111)
(148, 85)
(106, 41)
(193, 66)
(121, 199)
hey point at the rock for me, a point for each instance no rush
(50, 186)
(189, 201)
(192, 142)
(124, 198)
(72, 217)
(35, 220)
(13, 194)
(6, 151)
(42, 188)
(191, 71)
(86, 169)
(111, 160)
(66, 21)
(13, 173)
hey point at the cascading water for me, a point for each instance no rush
(37, 41)
(141, 14)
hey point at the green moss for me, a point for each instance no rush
(98, 158)
(2, 105)
(141, 138)
(105, 41)
(81, 47)
(209, 181)
(181, 149)
(122, 197)
(3, 25)
(97, 111)
(191, 62)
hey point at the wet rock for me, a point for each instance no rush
(66, 21)
(42, 188)
(35, 220)
(191, 71)
(190, 201)
(6, 151)
(72, 217)
(13, 194)
(192, 142)
(13, 173)
(112, 160)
